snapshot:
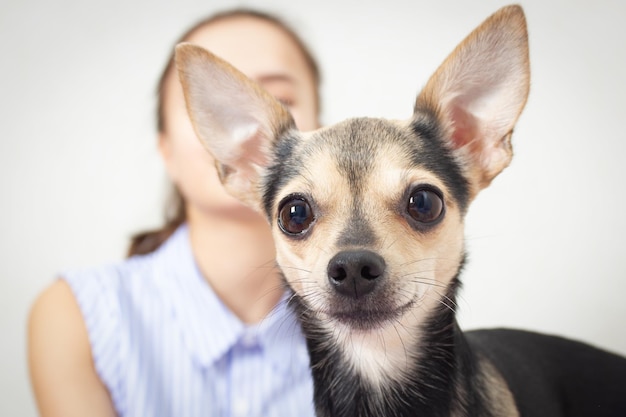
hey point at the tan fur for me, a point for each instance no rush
(382, 191)
(420, 265)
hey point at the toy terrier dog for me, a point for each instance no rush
(367, 217)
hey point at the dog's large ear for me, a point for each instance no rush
(478, 93)
(235, 119)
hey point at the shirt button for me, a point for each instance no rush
(241, 407)
(249, 340)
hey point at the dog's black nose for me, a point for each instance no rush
(355, 273)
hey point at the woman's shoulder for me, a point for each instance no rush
(54, 317)
(59, 351)
(56, 305)
(78, 320)
(84, 319)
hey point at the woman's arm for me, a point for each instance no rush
(62, 372)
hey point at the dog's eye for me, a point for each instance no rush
(425, 205)
(295, 216)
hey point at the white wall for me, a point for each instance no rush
(79, 171)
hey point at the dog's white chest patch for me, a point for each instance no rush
(378, 355)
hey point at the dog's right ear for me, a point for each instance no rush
(235, 119)
(478, 93)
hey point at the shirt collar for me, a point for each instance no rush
(209, 329)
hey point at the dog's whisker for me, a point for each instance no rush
(444, 300)
(428, 282)
(295, 268)
(420, 260)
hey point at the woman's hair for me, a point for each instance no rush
(175, 208)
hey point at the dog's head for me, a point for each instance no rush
(367, 214)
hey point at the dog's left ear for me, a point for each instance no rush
(478, 93)
(235, 119)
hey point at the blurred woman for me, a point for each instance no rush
(192, 323)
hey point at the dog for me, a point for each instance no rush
(367, 217)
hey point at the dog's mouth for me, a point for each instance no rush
(364, 318)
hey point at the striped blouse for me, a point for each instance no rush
(165, 345)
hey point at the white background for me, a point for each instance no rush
(79, 171)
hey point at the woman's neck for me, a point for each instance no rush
(236, 256)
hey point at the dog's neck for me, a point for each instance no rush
(442, 383)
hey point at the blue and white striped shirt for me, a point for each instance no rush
(165, 345)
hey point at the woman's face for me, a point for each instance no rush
(267, 55)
